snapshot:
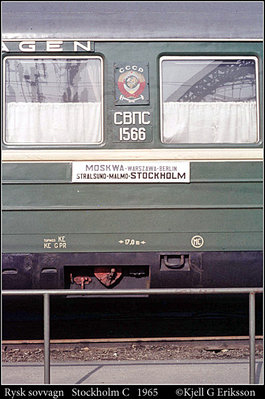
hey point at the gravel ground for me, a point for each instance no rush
(136, 351)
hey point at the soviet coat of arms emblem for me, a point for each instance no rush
(131, 84)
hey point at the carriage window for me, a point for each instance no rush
(53, 100)
(208, 100)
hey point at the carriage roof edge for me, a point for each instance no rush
(135, 20)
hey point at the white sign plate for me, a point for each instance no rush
(131, 172)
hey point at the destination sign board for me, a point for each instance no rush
(131, 172)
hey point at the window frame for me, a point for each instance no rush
(210, 57)
(57, 144)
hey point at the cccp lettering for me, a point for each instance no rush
(131, 67)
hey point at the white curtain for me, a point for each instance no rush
(42, 123)
(209, 122)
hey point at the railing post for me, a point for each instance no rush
(252, 338)
(46, 338)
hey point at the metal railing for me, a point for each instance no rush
(174, 291)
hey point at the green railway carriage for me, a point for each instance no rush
(132, 145)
